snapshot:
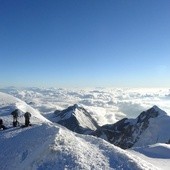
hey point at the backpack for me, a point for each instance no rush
(15, 113)
(27, 115)
(1, 122)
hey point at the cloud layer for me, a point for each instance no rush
(107, 105)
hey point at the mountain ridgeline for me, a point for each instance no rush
(77, 119)
(149, 127)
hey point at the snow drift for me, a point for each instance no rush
(157, 154)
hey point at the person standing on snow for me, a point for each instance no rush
(27, 116)
(1, 125)
(15, 114)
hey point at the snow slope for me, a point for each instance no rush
(157, 154)
(47, 146)
(157, 131)
(9, 103)
(150, 127)
(76, 119)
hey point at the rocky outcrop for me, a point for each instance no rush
(149, 127)
(126, 132)
(76, 119)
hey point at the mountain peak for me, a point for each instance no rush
(148, 128)
(153, 112)
(158, 110)
(77, 119)
(155, 107)
(75, 106)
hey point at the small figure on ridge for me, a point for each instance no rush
(1, 125)
(27, 116)
(15, 114)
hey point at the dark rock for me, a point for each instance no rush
(126, 132)
(76, 119)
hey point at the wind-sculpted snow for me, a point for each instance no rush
(157, 154)
(159, 150)
(48, 146)
(21, 148)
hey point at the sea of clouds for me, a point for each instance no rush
(107, 105)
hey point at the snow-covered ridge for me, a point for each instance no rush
(150, 127)
(9, 103)
(48, 146)
(160, 111)
(157, 128)
(77, 119)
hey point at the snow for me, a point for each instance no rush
(157, 132)
(9, 103)
(159, 150)
(107, 105)
(84, 121)
(161, 112)
(157, 154)
(64, 116)
(49, 146)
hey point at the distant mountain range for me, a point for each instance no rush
(149, 127)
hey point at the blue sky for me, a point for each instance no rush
(85, 43)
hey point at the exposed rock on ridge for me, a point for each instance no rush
(76, 119)
(148, 128)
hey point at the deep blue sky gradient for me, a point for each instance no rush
(69, 43)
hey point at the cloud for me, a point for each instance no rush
(106, 105)
(130, 109)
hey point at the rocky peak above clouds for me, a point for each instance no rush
(77, 119)
(149, 127)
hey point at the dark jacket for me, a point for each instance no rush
(27, 115)
(15, 113)
(1, 122)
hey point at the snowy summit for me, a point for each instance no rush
(150, 127)
(76, 119)
(45, 145)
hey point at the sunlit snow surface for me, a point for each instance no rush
(47, 146)
(157, 154)
(9, 103)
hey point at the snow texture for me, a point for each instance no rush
(157, 154)
(46, 146)
(157, 131)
